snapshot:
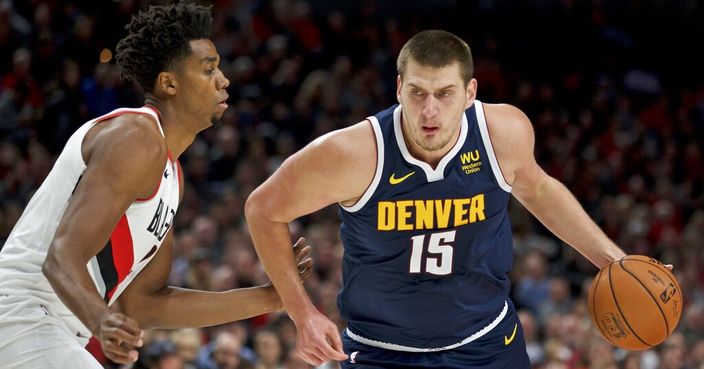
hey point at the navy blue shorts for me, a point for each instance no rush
(498, 349)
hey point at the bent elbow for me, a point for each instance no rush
(266, 207)
(253, 207)
(250, 206)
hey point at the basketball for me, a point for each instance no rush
(635, 302)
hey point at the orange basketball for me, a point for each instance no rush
(635, 302)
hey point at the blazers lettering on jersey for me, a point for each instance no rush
(162, 220)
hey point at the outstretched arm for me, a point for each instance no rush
(544, 196)
(153, 304)
(337, 167)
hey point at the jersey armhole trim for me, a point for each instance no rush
(484, 130)
(379, 168)
(179, 173)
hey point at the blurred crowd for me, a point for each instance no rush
(618, 111)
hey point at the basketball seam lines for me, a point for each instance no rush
(667, 326)
(674, 281)
(596, 317)
(679, 290)
(613, 294)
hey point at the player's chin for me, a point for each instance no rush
(216, 117)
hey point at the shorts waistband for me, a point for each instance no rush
(395, 347)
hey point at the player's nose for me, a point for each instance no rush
(223, 82)
(430, 106)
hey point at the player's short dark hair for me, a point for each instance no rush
(158, 38)
(437, 49)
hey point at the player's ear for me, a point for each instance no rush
(471, 92)
(166, 84)
(398, 88)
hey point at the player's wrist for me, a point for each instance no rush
(97, 322)
(301, 311)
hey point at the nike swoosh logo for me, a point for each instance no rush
(508, 340)
(395, 181)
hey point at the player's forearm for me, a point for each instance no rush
(174, 308)
(555, 206)
(272, 242)
(72, 283)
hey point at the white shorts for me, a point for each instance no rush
(31, 338)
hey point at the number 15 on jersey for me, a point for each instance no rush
(432, 253)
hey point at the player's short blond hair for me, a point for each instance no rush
(437, 49)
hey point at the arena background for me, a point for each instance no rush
(615, 91)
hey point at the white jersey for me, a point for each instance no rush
(132, 244)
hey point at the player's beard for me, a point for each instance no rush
(437, 142)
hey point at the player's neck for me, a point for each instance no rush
(432, 158)
(178, 131)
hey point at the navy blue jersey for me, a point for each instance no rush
(427, 251)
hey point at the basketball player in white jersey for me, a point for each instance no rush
(91, 254)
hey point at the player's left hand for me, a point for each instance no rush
(318, 339)
(302, 252)
(120, 337)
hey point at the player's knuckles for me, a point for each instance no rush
(125, 336)
(116, 349)
(130, 321)
(303, 356)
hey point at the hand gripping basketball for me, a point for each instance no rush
(635, 302)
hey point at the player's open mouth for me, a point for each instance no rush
(430, 130)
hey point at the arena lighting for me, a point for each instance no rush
(105, 55)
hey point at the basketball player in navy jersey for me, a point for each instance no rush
(423, 189)
(102, 219)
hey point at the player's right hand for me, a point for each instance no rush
(120, 337)
(318, 340)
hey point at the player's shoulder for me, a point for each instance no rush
(507, 123)
(138, 127)
(130, 136)
(506, 115)
(357, 139)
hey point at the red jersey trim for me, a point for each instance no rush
(122, 251)
(180, 175)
